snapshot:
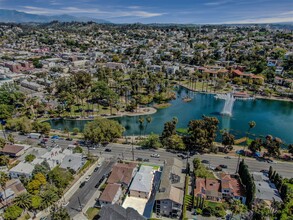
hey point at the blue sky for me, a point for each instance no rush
(163, 11)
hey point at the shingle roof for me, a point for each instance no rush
(172, 181)
(109, 192)
(12, 149)
(116, 212)
(121, 173)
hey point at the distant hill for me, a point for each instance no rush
(22, 17)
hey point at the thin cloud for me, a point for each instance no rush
(91, 11)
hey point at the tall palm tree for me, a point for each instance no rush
(148, 120)
(23, 201)
(48, 198)
(3, 180)
(141, 121)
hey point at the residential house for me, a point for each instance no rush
(111, 194)
(265, 191)
(209, 189)
(73, 162)
(169, 198)
(55, 156)
(24, 169)
(13, 188)
(12, 150)
(116, 212)
(31, 85)
(141, 185)
(231, 187)
(113, 65)
(122, 173)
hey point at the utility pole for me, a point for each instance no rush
(80, 207)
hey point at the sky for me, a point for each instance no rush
(163, 11)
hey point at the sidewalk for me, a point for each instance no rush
(65, 198)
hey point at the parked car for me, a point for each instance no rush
(82, 184)
(271, 161)
(223, 166)
(155, 155)
(96, 169)
(56, 137)
(108, 150)
(87, 178)
(146, 160)
(68, 139)
(227, 157)
(205, 161)
(139, 159)
(218, 168)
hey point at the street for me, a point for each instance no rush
(125, 152)
(84, 194)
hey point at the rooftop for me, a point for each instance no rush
(109, 192)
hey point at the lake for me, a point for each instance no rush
(271, 117)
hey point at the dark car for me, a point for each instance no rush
(139, 159)
(224, 166)
(146, 160)
(205, 161)
(82, 184)
(108, 150)
(68, 139)
(96, 169)
(218, 168)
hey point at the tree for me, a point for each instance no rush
(29, 157)
(152, 141)
(59, 213)
(174, 142)
(102, 130)
(43, 168)
(141, 121)
(169, 128)
(196, 163)
(255, 145)
(148, 121)
(77, 149)
(4, 160)
(23, 201)
(60, 177)
(10, 138)
(261, 213)
(48, 198)
(290, 148)
(36, 201)
(2, 142)
(12, 212)
(75, 131)
(202, 133)
(228, 140)
(237, 207)
(270, 172)
(3, 180)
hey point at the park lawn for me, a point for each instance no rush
(92, 212)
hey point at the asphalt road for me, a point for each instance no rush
(84, 194)
(125, 152)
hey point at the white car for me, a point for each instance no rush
(87, 178)
(155, 155)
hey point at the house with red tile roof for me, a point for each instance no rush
(226, 187)
(209, 189)
(231, 187)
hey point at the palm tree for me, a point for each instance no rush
(148, 120)
(237, 208)
(141, 121)
(23, 201)
(48, 198)
(66, 131)
(251, 125)
(3, 180)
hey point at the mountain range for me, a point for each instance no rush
(22, 17)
